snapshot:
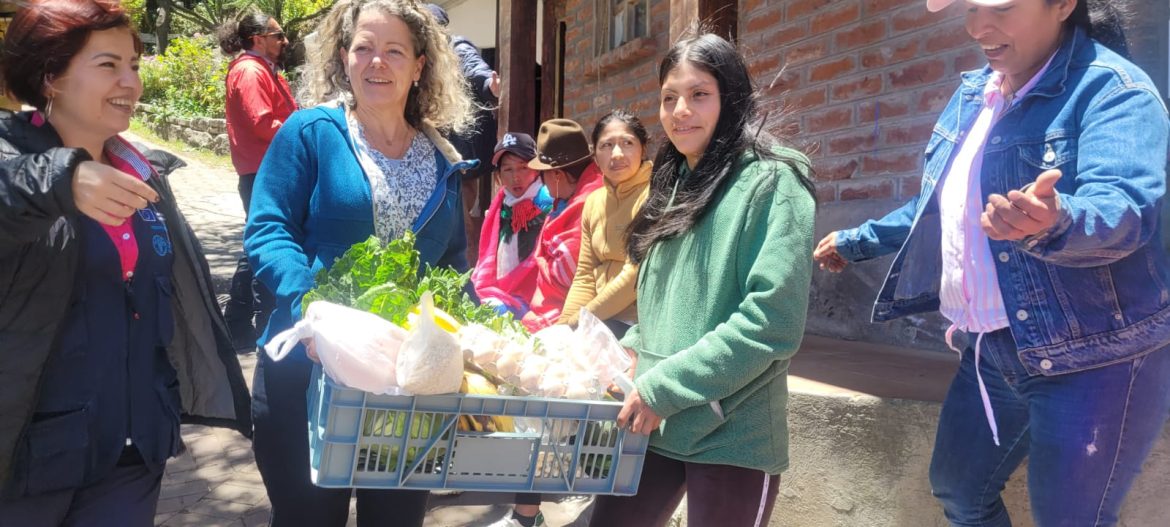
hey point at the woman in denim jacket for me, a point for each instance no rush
(1036, 233)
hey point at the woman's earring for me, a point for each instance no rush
(416, 84)
(49, 108)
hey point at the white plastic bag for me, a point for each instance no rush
(357, 349)
(430, 361)
(601, 352)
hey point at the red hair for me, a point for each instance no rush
(43, 37)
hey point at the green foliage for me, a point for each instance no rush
(188, 80)
(293, 12)
(137, 11)
(385, 281)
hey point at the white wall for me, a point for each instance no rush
(476, 20)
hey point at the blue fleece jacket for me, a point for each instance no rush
(311, 201)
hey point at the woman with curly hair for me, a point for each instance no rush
(370, 159)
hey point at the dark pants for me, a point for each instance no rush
(720, 495)
(250, 303)
(127, 497)
(618, 329)
(1084, 434)
(281, 444)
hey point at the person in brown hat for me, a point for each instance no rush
(565, 162)
(505, 270)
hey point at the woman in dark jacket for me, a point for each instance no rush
(109, 329)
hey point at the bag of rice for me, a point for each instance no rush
(430, 361)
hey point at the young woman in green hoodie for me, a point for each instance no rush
(722, 294)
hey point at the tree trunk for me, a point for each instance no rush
(162, 25)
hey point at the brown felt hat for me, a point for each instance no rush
(560, 143)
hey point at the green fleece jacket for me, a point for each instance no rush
(721, 310)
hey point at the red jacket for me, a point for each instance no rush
(258, 102)
(556, 255)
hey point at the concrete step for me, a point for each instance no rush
(862, 422)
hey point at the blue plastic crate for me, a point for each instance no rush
(362, 440)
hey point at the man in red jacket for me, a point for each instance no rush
(258, 102)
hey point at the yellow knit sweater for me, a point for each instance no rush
(605, 281)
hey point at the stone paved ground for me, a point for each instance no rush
(215, 483)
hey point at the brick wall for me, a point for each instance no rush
(623, 78)
(863, 79)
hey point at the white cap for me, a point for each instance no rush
(939, 5)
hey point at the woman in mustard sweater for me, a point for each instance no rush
(722, 294)
(604, 283)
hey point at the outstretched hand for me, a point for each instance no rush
(827, 256)
(1020, 214)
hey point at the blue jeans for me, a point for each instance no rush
(1085, 436)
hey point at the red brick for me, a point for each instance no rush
(831, 70)
(890, 53)
(801, 8)
(835, 169)
(806, 51)
(862, 35)
(910, 186)
(826, 192)
(918, 73)
(645, 106)
(885, 108)
(852, 142)
(917, 18)
(822, 120)
(625, 94)
(857, 190)
(933, 100)
(764, 20)
(908, 133)
(764, 66)
(969, 60)
(891, 163)
(826, 22)
(784, 36)
(869, 7)
(748, 6)
(807, 99)
(645, 67)
(648, 85)
(784, 80)
(945, 39)
(854, 88)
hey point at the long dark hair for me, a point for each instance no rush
(236, 36)
(633, 123)
(1104, 21)
(737, 130)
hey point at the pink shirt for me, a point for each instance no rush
(123, 157)
(970, 296)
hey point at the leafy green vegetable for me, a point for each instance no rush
(386, 281)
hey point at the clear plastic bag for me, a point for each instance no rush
(431, 360)
(601, 352)
(356, 349)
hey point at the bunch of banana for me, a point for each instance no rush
(478, 385)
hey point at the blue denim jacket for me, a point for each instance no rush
(1093, 290)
